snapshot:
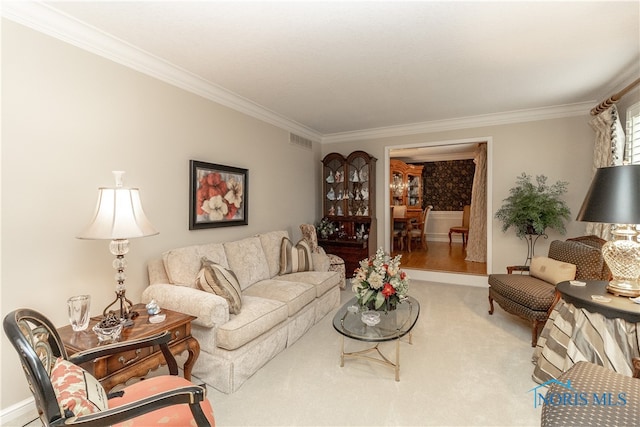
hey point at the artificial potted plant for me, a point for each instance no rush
(531, 207)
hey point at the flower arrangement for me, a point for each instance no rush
(379, 283)
(219, 196)
(326, 228)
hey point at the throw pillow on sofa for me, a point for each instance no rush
(295, 258)
(216, 279)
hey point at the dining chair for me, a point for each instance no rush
(418, 230)
(464, 228)
(398, 229)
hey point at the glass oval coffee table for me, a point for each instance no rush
(393, 325)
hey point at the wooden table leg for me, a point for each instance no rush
(193, 347)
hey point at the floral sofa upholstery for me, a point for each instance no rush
(272, 311)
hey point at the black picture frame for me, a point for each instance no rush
(218, 195)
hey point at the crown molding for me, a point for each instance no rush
(518, 116)
(40, 17)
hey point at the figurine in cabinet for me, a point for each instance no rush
(330, 177)
(331, 195)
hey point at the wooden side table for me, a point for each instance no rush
(119, 368)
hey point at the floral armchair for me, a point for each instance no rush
(67, 395)
(336, 263)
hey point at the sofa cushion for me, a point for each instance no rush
(257, 316)
(183, 264)
(295, 258)
(552, 271)
(216, 279)
(525, 290)
(271, 242)
(247, 260)
(321, 280)
(295, 295)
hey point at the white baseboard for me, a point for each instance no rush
(449, 278)
(13, 413)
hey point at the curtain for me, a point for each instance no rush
(608, 151)
(477, 240)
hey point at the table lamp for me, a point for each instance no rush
(118, 217)
(614, 198)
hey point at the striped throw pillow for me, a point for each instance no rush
(216, 279)
(295, 258)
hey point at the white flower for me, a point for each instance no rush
(215, 207)
(234, 195)
(375, 280)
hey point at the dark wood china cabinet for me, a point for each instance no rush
(349, 202)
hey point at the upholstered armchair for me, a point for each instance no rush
(335, 262)
(67, 395)
(532, 294)
(602, 397)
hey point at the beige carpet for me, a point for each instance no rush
(464, 368)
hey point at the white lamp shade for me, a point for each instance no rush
(119, 215)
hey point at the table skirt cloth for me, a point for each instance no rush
(573, 334)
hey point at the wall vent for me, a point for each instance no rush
(300, 141)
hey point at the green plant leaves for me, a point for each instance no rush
(531, 207)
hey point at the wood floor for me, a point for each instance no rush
(440, 256)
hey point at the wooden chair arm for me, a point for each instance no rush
(512, 268)
(191, 395)
(636, 367)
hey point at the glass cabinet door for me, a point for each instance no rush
(335, 190)
(414, 190)
(359, 166)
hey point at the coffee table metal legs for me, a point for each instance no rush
(382, 359)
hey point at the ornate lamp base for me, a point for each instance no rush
(622, 255)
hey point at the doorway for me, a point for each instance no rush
(441, 257)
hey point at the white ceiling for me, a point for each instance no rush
(333, 68)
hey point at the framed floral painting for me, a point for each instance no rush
(218, 195)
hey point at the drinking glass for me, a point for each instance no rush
(79, 311)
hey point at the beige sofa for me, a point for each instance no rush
(276, 310)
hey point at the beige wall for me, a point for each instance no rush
(561, 149)
(68, 119)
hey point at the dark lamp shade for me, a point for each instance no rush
(614, 196)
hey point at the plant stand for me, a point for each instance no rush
(531, 243)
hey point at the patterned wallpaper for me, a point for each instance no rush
(447, 185)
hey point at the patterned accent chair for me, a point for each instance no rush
(590, 381)
(533, 298)
(67, 395)
(335, 262)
